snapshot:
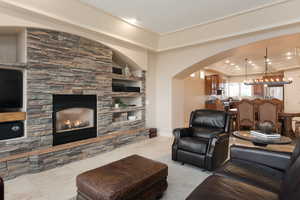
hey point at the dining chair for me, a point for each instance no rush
(268, 112)
(245, 114)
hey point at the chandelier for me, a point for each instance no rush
(268, 79)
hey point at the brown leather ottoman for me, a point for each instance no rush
(131, 178)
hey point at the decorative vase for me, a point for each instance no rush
(266, 127)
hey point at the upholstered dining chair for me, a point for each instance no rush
(268, 112)
(245, 114)
(279, 103)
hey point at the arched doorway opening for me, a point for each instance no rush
(189, 86)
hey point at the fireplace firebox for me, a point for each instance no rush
(74, 118)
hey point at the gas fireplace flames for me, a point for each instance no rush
(68, 124)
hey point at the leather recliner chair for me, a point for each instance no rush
(254, 174)
(205, 142)
(1, 189)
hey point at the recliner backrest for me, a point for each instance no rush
(208, 119)
(290, 186)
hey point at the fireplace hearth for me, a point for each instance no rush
(74, 118)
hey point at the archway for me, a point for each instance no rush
(181, 87)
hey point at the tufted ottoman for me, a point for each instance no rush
(131, 178)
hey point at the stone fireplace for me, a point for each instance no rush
(74, 118)
(69, 99)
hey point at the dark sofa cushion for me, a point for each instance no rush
(206, 133)
(221, 188)
(192, 144)
(255, 174)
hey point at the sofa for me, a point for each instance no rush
(1, 189)
(205, 142)
(254, 174)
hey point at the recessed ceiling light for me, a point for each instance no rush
(227, 61)
(232, 64)
(289, 57)
(288, 53)
(193, 75)
(133, 21)
(270, 63)
(250, 62)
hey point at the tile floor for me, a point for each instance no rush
(59, 183)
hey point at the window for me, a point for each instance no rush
(238, 90)
(246, 90)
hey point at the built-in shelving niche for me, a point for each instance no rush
(131, 106)
(13, 45)
(13, 55)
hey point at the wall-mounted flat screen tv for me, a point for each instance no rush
(11, 89)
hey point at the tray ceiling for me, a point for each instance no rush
(163, 16)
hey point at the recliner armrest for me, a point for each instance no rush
(182, 132)
(273, 159)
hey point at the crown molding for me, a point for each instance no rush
(251, 31)
(29, 11)
(54, 19)
(226, 17)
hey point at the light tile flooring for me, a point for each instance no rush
(59, 183)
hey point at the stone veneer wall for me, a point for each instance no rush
(62, 63)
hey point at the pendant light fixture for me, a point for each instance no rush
(268, 78)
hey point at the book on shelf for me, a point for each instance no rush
(265, 135)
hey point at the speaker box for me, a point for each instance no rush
(116, 70)
(10, 130)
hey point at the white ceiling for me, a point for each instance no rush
(163, 16)
(284, 53)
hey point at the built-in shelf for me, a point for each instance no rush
(123, 123)
(12, 116)
(22, 65)
(127, 109)
(126, 94)
(126, 78)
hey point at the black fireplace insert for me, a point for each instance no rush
(74, 118)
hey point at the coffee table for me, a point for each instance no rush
(259, 141)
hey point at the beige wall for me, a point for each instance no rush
(165, 105)
(186, 60)
(292, 92)
(13, 17)
(194, 96)
(250, 21)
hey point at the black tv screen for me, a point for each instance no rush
(11, 88)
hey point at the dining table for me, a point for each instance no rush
(287, 119)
